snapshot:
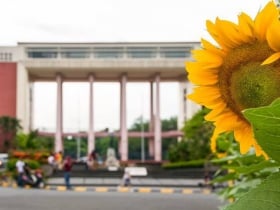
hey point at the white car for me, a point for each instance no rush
(3, 160)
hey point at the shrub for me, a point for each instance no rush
(185, 164)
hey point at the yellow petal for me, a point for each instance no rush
(214, 32)
(203, 78)
(194, 67)
(229, 33)
(274, 57)
(244, 135)
(227, 122)
(273, 34)
(210, 47)
(200, 76)
(259, 151)
(216, 110)
(207, 57)
(264, 19)
(205, 95)
(213, 140)
(246, 26)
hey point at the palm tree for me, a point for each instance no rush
(9, 126)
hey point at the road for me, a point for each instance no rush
(32, 199)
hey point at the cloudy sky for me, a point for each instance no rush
(110, 21)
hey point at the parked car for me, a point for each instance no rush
(3, 161)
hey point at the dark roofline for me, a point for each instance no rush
(105, 43)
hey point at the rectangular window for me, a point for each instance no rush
(42, 52)
(141, 52)
(175, 52)
(75, 52)
(112, 52)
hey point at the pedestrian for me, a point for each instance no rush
(58, 157)
(20, 171)
(92, 160)
(126, 180)
(67, 166)
(52, 163)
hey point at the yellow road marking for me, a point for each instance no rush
(61, 188)
(187, 191)
(80, 189)
(123, 189)
(101, 189)
(144, 190)
(206, 191)
(166, 190)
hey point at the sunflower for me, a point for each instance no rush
(240, 71)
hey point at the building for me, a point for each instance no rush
(152, 62)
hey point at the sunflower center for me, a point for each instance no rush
(244, 82)
(254, 85)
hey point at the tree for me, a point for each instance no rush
(195, 143)
(9, 126)
(135, 143)
(197, 132)
(31, 141)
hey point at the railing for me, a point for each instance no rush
(125, 52)
(164, 134)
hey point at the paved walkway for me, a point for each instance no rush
(143, 182)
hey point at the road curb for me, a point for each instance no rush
(103, 189)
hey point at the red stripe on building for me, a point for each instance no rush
(8, 89)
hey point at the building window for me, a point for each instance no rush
(115, 52)
(175, 52)
(75, 53)
(42, 53)
(141, 52)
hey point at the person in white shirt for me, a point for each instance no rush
(20, 170)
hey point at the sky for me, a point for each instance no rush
(110, 21)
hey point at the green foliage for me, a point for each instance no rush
(11, 164)
(195, 143)
(135, 143)
(179, 152)
(70, 147)
(264, 196)
(243, 171)
(256, 178)
(197, 133)
(31, 141)
(185, 164)
(9, 126)
(266, 125)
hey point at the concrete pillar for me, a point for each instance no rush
(123, 129)
(59, 111)
(23, 102)
(182, 104)
(31, 109)
(152, 122)
(91, 138)
(157, 121)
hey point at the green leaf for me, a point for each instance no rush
(253, 167)
(266, 125)
(264, 196)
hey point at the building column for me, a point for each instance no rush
(157, 121)
(22, 100)
(91, 137)
(152, 122)
(59, 111)
(123, 128)
(31, 108)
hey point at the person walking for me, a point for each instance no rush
(20, 171)
(67, 166)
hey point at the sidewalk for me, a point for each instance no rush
(135, 181)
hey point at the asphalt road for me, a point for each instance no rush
(32, 199)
